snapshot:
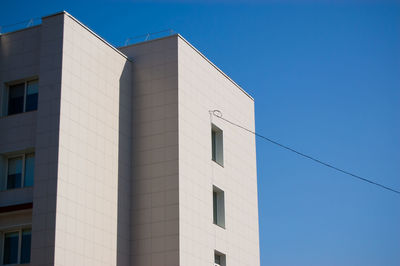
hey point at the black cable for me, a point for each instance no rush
(218, 114)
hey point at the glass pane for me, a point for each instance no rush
(16, 99)
(215, 214)
(26, 246)
(10, 255)
(31, 96)
(14, 175)
(214, 145)
(29, 169)
(217, 259)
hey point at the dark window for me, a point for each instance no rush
(215, 214)
(14, 251)
(218, 207)
(16, 99)
(14, 173)
(31, 96)
(20, 171)
(29, 169)
(219, 259)
(23, 97)
(217, 149)
(26, 246)
(10, 255)
(214, 145)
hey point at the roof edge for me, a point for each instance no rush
(19, 30)
(217, 68)
(196, 50)
(89, 30)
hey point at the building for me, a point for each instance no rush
(111, 157)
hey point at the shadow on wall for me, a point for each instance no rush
(124, 166)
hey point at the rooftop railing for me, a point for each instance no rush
(148, 37)
(20, 25)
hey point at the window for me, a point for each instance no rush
(14, 173)
(217, 145)
(16, 98)
(22, 97)
(219, 259)
(26, 246)
(32, 94)
(20, 171)
(218, 207)
(29, 169)
(17, 247)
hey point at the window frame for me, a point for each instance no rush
(23, 173)
(7, 94)
(18, 230)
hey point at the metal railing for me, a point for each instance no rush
(20, 25)
(148, 37)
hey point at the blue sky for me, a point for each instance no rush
(326, 81)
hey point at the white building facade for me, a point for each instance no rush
(111, 156)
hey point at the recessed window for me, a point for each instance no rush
(22, 97)
(218, 207)
(17, 247)
(20, 171)
(217, 147)
(219, 259)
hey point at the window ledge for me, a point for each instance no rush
(13, 115)
(15, 189)
(220, 226)
(218, 163)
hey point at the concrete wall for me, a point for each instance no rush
(155, 215)
(202, 87)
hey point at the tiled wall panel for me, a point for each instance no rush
(46, 145)
(202, 88)
(155, 216)
(94, 150)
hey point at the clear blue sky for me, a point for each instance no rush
(326, 81)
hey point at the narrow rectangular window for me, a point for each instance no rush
(219, 259)
(218, 207)
(215, 207)
(29, 169)
(10, 254)
(217, 153)
(31, 96)
(14, 173)
(16, 98)
(214, 145)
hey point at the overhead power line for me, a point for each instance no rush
(218, 114)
